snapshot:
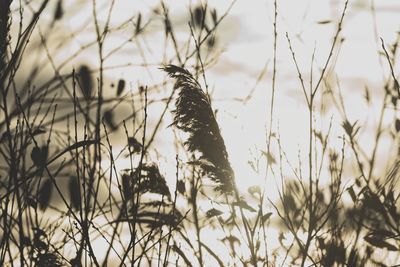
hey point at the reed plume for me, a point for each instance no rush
(194, 115)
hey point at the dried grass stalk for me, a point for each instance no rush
(194, 115)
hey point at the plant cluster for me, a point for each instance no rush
(65, 200)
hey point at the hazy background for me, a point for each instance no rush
(243, 53)
(239, 73)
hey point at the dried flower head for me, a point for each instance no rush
(194, 115)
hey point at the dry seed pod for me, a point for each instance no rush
(397, 125)
(109, 119)
(214, 16)
(85, 81)
(138, 28)
(39, 156)
(74, 192)
(59, 12)
(127, 186)
(211, 41)
(134, 144)
(213, 212)
(198, 16)
(167, 26)
(394, 101)
(44, 195)
(180, 186)
(120, 87)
